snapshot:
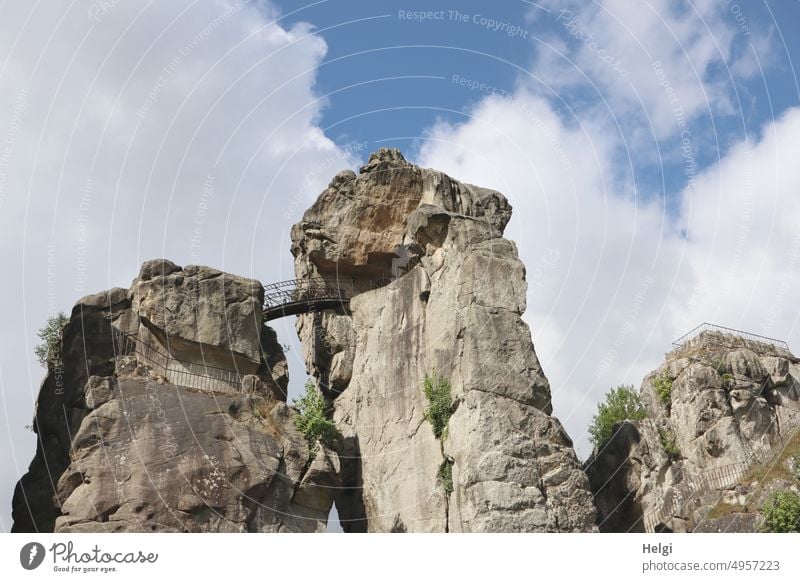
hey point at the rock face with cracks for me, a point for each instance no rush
(122, 448)
(726, 407)
(440, 291)
(167, 408)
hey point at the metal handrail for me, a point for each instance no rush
(716, 478)
(685, 338)
(315, 293)
(206, 376)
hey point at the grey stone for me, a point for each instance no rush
(731, 406)
(130, 452)
(98, 391)
(157, 268)
(201, 315)
(455, 308)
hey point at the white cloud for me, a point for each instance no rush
(633, 77)
(173, 129)
(651, 62)
(626, 281)
(592, 310)
(741, 221)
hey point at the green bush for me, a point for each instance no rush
(781, 512)
(48, 352)
(622, 403)
(445, 475)
(312, 419)
(669, 443)
(720, 366)
(663, 386)
(437, 391)
(727, 379)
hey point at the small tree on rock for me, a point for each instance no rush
(48, 352)
(437, 391)
(621, 403)
(312, 419)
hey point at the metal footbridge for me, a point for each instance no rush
(298, 296)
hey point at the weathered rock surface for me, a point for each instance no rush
(168, 413)
(121, 448)
(733, 404)
(443, 291)
(187, 308)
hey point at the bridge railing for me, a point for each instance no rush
(313, 291)
(298, 290)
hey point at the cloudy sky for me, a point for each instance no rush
(649, 150)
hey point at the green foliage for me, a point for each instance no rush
(727, 379)
(781, 512)
(437, 391)
(622, 403)
(669, 443)
(48, 352)
(312, 419)
(445, 475)
(663, 386)
(720, 367)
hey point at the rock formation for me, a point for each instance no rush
(167, 410)
(438, 291)
(720, 407)
(139, 432)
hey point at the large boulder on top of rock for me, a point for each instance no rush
(357, 223)
(201, 314)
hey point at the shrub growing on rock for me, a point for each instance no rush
(720, 366)
(445, 475)
(781, 512)
(312, 419)
(663, 386)
(669, 443)
(48, 352)
(622, 403)
(439, 410)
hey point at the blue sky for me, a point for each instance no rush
(390, 77)
(648, 148)
(369, 41)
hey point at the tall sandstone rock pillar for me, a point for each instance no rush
(439, 290)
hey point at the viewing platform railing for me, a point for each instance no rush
(727, 331)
